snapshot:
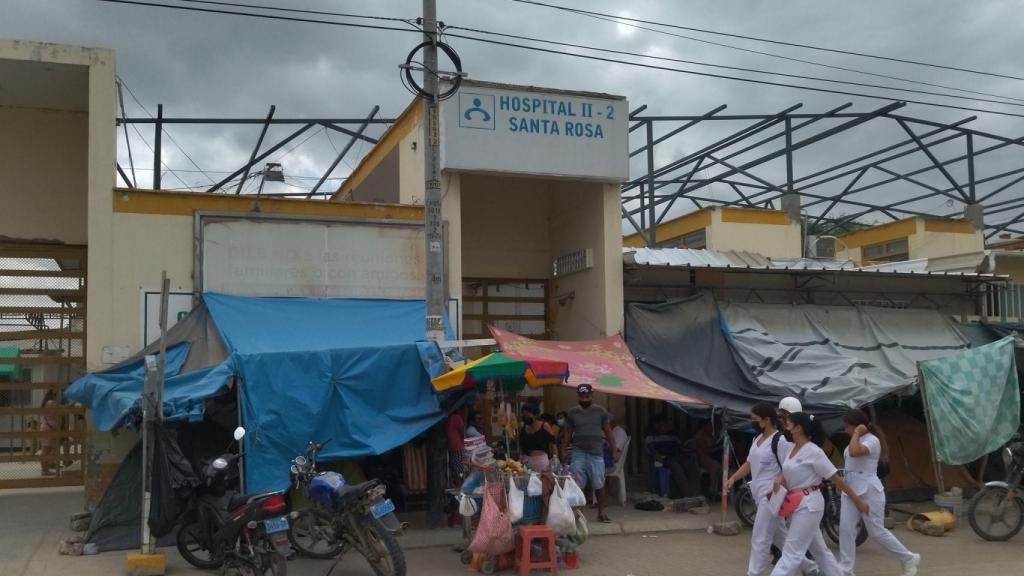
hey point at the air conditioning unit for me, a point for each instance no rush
(823, 246)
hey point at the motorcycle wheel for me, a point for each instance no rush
(312, 535)
(831, 525)
(193, 550)
(382, 551)
(268, 564)
(746, 508)
(987, 511)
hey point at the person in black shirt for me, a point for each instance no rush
(665, 446)
(536, 444)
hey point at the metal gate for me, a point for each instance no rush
(42, 349)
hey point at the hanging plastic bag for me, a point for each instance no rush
(582, 531)
(534, 487)
(561, 518)
(515, 501)
(573, 495)
(467, 505)
(494, 535)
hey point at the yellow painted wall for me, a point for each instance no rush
(44, 174)
(1012, 266)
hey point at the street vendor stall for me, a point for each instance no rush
(514, 517)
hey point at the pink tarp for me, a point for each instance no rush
(607, 364)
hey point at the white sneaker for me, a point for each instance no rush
(910, 566)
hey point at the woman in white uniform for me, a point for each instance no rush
(764, 466)
(862, 456)
(803, 471)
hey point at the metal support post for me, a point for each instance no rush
(434, 234)
(651, 217)
(158, 129)
(789, 155)
(255, 151)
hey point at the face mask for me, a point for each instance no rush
(561, 421)
(527, 420)
(585, 404)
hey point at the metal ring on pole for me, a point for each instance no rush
(450, 52)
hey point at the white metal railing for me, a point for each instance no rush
(1006, 304)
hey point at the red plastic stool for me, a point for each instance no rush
(524, 542)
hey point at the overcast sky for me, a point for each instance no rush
(215, 65)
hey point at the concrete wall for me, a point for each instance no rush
(765, 232)
(505, 231)
(44, 174)
(928, 244)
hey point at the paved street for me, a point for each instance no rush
(32, 525)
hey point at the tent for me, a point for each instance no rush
(355, 371)
(832, 357)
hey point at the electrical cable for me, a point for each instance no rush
(736, 78)
(737, 68)
(257, 15)
(770, 41)
(790, 58)
(164, 130)
(584, 56)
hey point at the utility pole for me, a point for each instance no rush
(434, 234)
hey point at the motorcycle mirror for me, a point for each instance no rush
(239, 433)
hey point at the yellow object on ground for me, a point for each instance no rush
(941, 517)
(137, 564)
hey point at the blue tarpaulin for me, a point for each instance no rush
(355, 371)
(113, 394)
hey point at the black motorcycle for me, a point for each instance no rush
(996, 512)
(344, 518)
(242, 534)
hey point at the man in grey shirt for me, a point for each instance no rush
(586, 429)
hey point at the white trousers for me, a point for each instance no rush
(805, 536)
(849, 516)
(768, 529)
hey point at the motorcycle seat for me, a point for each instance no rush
(236, 501)
(343, 495)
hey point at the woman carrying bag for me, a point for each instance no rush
(867, 446)
(803, 471)
(764, 463)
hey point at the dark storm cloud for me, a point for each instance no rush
(211, 65)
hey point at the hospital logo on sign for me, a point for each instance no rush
(476, 111)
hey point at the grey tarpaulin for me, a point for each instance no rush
(681, 346)
(837, 355)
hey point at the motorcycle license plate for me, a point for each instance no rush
(276, 525)
(382, 508)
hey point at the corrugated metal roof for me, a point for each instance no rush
(732, 259)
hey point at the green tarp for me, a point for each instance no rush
(973, 401)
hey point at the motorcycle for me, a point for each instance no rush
(345, 517)
(996, 512)
(830, 522)
(242, 534)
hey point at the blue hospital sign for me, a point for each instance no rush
(495, 128)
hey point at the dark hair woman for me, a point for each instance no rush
(536, 443)
(803, 471)
(764, 464)
(867, 447)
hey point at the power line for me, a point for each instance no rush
(614, 20)
(164, 130)
(264, 16)
(778, 42)
(584, 56)
(300, 11)
(737, 78)
(737, 68)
